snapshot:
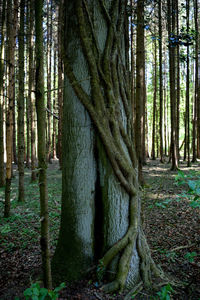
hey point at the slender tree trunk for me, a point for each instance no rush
(54, 107)
(21, 105)
(178, 81)
(172, 71)
(11, 36)
(161, 80)
(2, 68)
(15, 158)
(153, 155)
(188, 88)
(60, 87)
(49, 50)
(31, 85)
(140, 61)
(196, 128)
(40, 107)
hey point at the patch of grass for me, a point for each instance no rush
(23, 225)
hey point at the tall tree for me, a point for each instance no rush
(100, 168)
(11, 36)
(188, 86)
(140, 65)
(160, 79)
(153, 154)
(31, 85)
(172, 71)
(40, 108)
(196, 127)
(2, 45)
(20, 103)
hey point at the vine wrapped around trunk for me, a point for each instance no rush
(101, 158)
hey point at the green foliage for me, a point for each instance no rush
(192, 181)
(190, 256)
(165, 293)
(100, 270)
(161, 204)
(35, 292)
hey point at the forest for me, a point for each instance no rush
(99, 149)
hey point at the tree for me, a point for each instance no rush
(40, 108)
(161, 79)
(3, 14)
(11, 36)
(172, 71)
(100, 198)
(20, 126)
(31, 84)
(140, 72)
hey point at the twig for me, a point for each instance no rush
(182, 247)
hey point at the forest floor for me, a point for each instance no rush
(172, 226)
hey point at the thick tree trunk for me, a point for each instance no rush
(40, 107)
(100, 201)
(20, 126)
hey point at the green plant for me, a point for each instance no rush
(190, 256)
(165, 293)
(35, 292)
(192, 180)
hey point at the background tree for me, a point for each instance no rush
(21, 105)
(40, 108)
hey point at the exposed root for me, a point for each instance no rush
(134, 291)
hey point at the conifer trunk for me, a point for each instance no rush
(20, 103)
(11, 35)
(41, 113)
(2, 68)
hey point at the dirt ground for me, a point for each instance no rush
(171, 226)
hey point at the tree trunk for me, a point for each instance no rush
(41, 113)
(100, 201)
(31, 95)
(161, 81)
(20, 126)
(196, 128)
(49, 50)
(188, 89)
(60, 88)
(140, 60)
(172, 70)
(2, 68)
(153, 155)
(11, 35)
(178, 81)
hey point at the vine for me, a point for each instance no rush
(110, 96)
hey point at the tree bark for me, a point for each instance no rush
(153, 154)
(140, 60)
(20, 103)
(100, 201)
(188, 88)
(41, 112)
(172, 71)
(2, 68)
(161, 80)
(11, 35)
